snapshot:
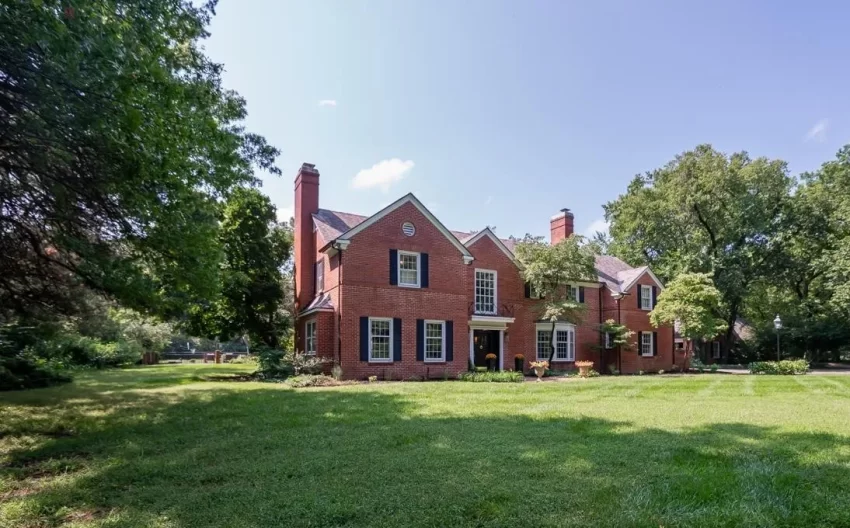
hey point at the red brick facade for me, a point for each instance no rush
(355, 255)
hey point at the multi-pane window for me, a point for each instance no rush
(646, 344)
(609, 340)
(320, 276)
(565, 343)
(646, 297)
(310, 338)
(380, 340)
(435, 340)
(715, 350)
(544, 344)
(408, 269)
(485, 291)
(572, 292)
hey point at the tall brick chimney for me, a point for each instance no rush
(306, 203)
(561, 226)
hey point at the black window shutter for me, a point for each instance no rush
(396, 339)
(639, 295)
(654, 296)
(527, 290)
(640, 343)
(393, 267)
(654, 343)
(364, 339)
(420, 340)
(450, 349)
(581, 294)
(423, 273)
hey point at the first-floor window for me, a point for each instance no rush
(715, 350)
(609, 340)
(380, 340)
(544, 344)
(565, 344)
(435, 345)
(646, 344)
(310, 339)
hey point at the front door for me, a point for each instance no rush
(485, 342)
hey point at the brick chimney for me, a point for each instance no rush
(306, 203)
(561, 226)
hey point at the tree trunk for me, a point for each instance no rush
(552, 344)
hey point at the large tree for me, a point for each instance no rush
(548, 269)
(117, 142)
(252, 298)
(707, 212)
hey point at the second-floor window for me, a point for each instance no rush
(408, 269)
(573, 292)
(320, 276)
(646, 297)
(485, 291)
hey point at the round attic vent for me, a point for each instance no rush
(408, 229)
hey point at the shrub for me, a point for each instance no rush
(25, 371)
(313, 380)
(786, 367)
(675, 368)
(698, 365)
(592, 373)
(373, 379)
(415, 378)
(245, 360)
(492, 377)
(613, 370)
(555, 373)
(714, 367)
(336, 372)
(661, 371)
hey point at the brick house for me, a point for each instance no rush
(397, 294)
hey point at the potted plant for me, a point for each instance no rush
(584, 368)
(519, 363)
(539, 368)
(491, 361)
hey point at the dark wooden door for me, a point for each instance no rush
(485, 342)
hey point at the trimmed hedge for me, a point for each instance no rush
(492, 377)
(785, 367)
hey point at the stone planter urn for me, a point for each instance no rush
(491, 361)
(584, 368)
(539, 368)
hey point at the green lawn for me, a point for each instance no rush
(158, 446)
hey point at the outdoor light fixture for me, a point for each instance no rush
(777, 323)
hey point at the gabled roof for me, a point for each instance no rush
(496, 240)
(332, 225)
(335, 225)
(322, 303)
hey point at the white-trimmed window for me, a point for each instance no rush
(408, 269)
(646, 344)
(544, 340)
(715, 350)
(609, 340)
(310, 338)
(645, 297)
(565, 342)
(435, 340)
(485, 291)
(320, 276)
(573, 292)
(380, 339)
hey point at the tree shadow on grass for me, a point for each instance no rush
(352, 457)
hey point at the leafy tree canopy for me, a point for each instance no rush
(118, 142)
(692, 301)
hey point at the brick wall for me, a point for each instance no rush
(637, 320)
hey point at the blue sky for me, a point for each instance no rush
(502, 113)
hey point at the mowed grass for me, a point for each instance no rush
(158, 446)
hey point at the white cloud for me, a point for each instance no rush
(597, 225)
(284, 214)
(382, 174)
(327, 102)
(818, 132)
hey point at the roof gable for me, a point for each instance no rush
(487, 232)
(631, 278)
(411, 199)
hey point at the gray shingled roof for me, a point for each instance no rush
(612, 271)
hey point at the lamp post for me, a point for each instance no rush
(777, 323)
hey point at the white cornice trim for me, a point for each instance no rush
(626, 287)
(407, 198)
(501, 245)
